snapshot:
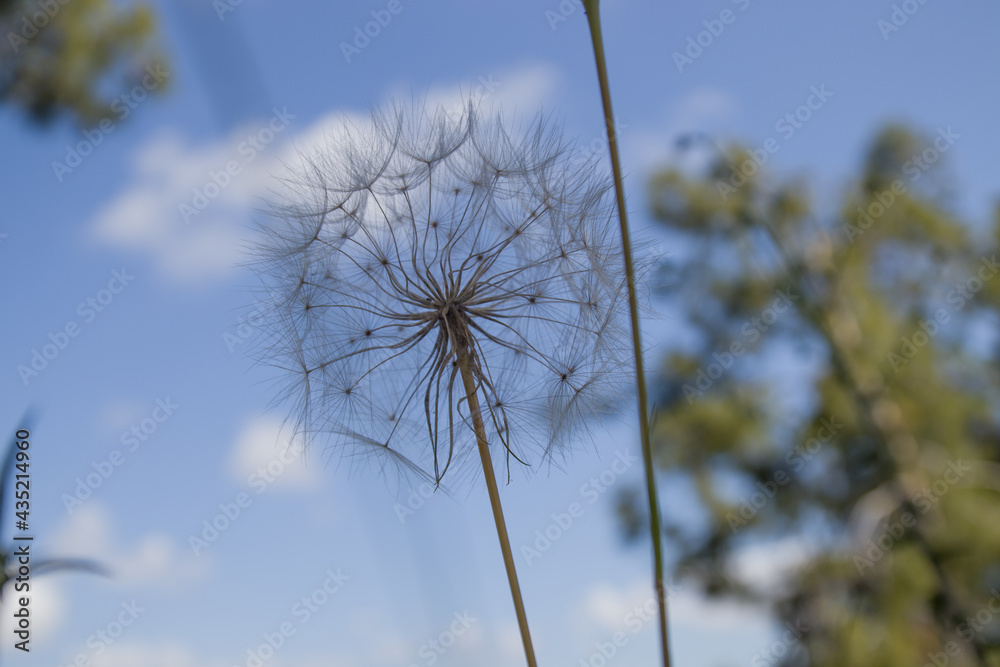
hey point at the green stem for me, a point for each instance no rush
(593, 18)
(491, 485)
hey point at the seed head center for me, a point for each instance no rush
(452, 309)
(454, 320)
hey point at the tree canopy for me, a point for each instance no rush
(836, 403)
(77, 57)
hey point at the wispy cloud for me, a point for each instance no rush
(190, 207)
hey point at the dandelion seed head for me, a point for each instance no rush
(430, 235)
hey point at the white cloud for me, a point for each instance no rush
(606, 605)
(618, 608)
(702, 113)
(88, 534)
(771, 566)
(608, 608)
(264, 449)
(147, 217)
(155, 559)
(170, 172)
(47, 609)
(510, 646)
(149, 655)
(522, 90)
(693, 611)
(390, 650)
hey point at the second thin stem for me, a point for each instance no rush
(594, 21)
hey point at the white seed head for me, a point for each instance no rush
(427, 236)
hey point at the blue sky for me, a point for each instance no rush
(167, 292)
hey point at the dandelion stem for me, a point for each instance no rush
(491, 484)
(594, 20)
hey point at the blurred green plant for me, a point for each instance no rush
(74, 56)
(836, 407)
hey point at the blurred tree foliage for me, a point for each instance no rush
(74, 56)
(836, 407)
